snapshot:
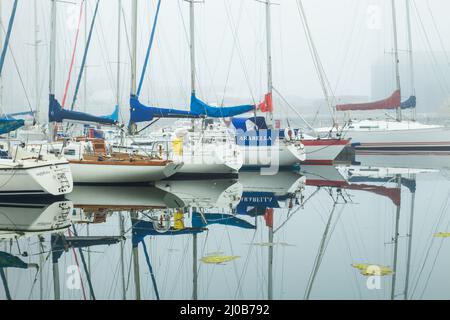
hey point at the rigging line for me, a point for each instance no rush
(246, 264)
(147, 259)
(104, 51)
(78, 266)
(293, 109)
(438, 33)
(325, 84)
(319, 256)
(20, 76)
(83, 63)
(149, 48)
(426, 259)
(72, 60)
(431, 53)
(429, 249)
(239, 50)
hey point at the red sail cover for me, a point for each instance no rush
(390, 103)
(268, 216)
(266, 105)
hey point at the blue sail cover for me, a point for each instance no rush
(141, 229)
(113, 116)
(201, 108)
(257, 200)
(252, 123)
(8, 125)
(57, 114)
(142, 113)
(218, 218)
(410, 103)
(16, 114)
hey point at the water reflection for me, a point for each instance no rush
(314, 234)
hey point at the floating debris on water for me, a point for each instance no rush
(372, 269)
(218, 259)
(442, 235)
(272, 244)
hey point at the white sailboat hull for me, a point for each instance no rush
(282, 154)
(34, 178)
(322, 151)
(398, 137)
(98, 173)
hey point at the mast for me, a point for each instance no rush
(397, 220)
(36, 63)
(411, 56)
(192, 43)
(397, 67)
(85, 44)
(408, 259)
(122, 247)
(52, 62)
(137, 280)
(1, 78)
(269, 58)
(132, 129)
(194, 268)
(118, 52)
(270, 266)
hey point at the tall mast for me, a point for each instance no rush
(411, 224)
(192, 43)
(1, 78)
(397, 69)
(397, 222)
(137, 277)
(118, 52)
(269, 57)
(122, 248)
(132, 128)
(36, 62)
(270, 266)
(85, 44)
(410, 54)
(52, 62)
(194, 268)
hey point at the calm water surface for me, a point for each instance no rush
(294, 235)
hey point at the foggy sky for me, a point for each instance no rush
(350, 36)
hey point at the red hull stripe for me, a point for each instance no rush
(317, 162)
(326, 183)
(325, 142)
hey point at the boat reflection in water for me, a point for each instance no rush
(286, 236)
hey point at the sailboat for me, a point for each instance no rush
(22, 173)
(203, 149)
(395, 135)
(91, 160)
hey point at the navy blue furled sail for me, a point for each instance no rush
(201, 108)
(8, 35)
(252, 123)
(142, 113)
(9, 261)
(142, 228)
(16, 114)
(8, 125)
(410, 103)
(57, 114)
(218, 218)
(113, 116)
